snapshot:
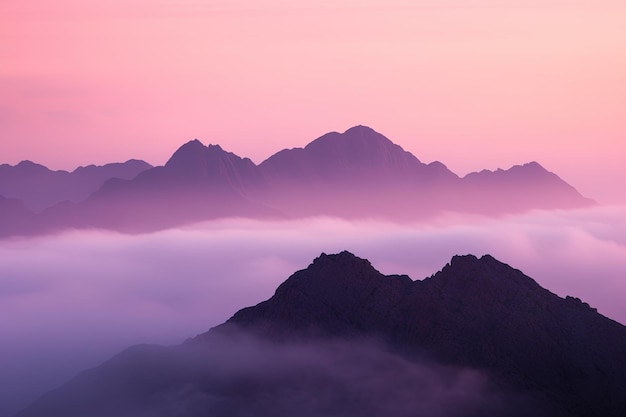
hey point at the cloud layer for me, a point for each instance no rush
(70, 301)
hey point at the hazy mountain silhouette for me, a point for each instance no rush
(339, 338)
(360, 153)
(39, 187)
(355, 174)
(197, 183)
(518, 188)
(361, 173)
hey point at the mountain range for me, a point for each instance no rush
(355, 174)
(39, 187)
(341, 339)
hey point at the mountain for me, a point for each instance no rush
(519, 188)
(358, 174)
(211, 165)
(474, 312)
(197, 183)
(39, 187)
(362, 174)
(356, 157)
(339, 338)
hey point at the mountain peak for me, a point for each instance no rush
(187, 156)
(461, 261)
(31, 166)
(342, 270)
(486, 266)
(533, 164)
(342, 259)
(212, 166)
(193, 144)
(325, 298)
(519, 188)
(457, 259)
(361, 129)
(353, 139)
(358, 155)
(486, 280)
(215, 147)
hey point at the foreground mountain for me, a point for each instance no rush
(39, 187)
(340, 339)
(358, 174)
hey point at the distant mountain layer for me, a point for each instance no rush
(356, 174)
(39, 188)
(341, 339)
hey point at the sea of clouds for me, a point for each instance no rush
(70, 301)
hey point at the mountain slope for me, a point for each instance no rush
(340, 338)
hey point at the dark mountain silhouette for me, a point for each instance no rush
(477, 312)
(535, 353)
(354, 175)
(39, 187)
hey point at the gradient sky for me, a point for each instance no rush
(473, 83)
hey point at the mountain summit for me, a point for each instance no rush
(358, 155)
(339, 338)
(212, 165)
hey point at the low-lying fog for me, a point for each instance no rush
(69, 302)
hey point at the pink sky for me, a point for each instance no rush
(475, 84)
